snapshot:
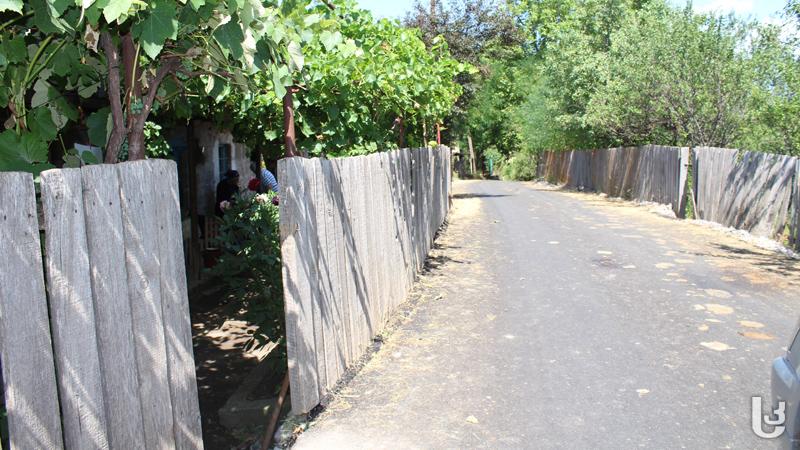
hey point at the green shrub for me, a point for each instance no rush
(250, 264)
(521, 166)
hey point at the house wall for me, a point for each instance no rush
(208, 173)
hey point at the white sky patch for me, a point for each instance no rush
(741, 7)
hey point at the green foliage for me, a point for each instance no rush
(600, 73)
(55, 56)
(376, 72)
(479, 32)
(656, 89)
(520, 166)
(250, 265)
(358, 75)
(156, 146)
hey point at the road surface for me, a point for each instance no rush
(550, 319)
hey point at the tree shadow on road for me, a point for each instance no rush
(473, 195)
(768, 261)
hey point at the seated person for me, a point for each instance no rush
(227, 189)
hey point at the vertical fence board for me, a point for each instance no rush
(795, 217)
(113, 319)
(297, 272)
(346, 227)
(31, 396)
(363, 217)
(175, 308)
(343, 244)
(71, 311)
(140, 228)
(748, 190)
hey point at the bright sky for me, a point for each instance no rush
(758, 9)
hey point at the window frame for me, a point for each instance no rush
(224, 154)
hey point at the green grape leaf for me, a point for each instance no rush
(112, 9)
(97, 124)
(11, 5)
(296, 59)
(161, 24)
(230, 37)
(41, 123)
(15, 50)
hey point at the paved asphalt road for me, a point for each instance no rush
(563, 320)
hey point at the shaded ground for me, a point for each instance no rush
(221, 363)
(562, 320)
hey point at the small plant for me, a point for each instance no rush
(250, 265)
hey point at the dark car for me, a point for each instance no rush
(786, 388)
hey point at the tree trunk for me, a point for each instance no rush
(118, 129)
(288, 125)
(401, 131)
(136, 144)
(471, 156)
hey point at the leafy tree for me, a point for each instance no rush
(142, 55)
(689, 92)
(478, 32)
(366, 85)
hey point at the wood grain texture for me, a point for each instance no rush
(297, 275)
(175, 308)
(354, 232)
(744, 190)
(72, 318)
(113, 320)
(794, 222)
(29, 376)
(648, 173)
(343, 232)
(140, 206)
(353, 184)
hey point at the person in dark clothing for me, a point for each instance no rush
(226, 190)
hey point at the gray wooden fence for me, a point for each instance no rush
(354, 233)
(649, 173)
(95, 339)
(794, 222)
(744, 190)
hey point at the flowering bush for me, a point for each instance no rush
(250, 264)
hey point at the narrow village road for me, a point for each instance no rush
(550, 319)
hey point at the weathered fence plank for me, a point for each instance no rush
(113, 320)
(347, 225)
(297, 256)
(362, 217)
(140, 228)
(343, 234)
(175, 308)
(71, 311)
(121, 351)
(649, 173)
(748, 190)
(31, 396)
(794, 223)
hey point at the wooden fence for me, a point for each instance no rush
(794, 221)
(95, 339)
(649, 173)
(748, 190)
(354, 232)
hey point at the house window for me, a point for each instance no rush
(224, 158)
